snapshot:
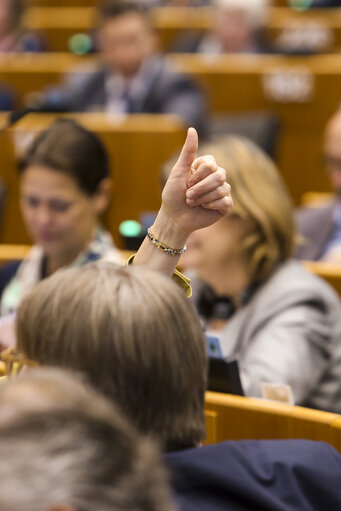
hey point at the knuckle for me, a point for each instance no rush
(222, 192)
(210, 163)
(221, 174)
(227, 203)
(198, 189)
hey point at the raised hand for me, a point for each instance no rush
(196, 194)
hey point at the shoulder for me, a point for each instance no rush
(261, 453)
(172, 78)
(258, 473)
(31, 42)
(293, 296)
(7, 272)
(6, 100)
(291, 280)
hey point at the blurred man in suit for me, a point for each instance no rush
(6, 100)
(320, 227)
(132, 77)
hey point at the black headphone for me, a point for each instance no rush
(212, 306)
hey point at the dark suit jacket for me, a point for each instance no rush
(7, 272)
(315, 226)
(6, 101)
(166, 92)
(267, 475)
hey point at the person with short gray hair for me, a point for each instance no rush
(63, 447)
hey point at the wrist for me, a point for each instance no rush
(167, 230)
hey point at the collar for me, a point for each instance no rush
(138, 86)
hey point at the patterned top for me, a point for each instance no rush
(30, 271)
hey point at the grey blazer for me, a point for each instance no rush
(290, 332)
(315, 226)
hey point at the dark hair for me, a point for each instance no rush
(16, 8)
(69, 148)
(114, 8)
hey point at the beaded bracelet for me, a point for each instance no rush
(163, 247)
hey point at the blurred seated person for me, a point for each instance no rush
(64, 188)
(307, 4)
(13, 36)
(63, 447)
(185, 3)
(281, 322)
(6, 99)
(132, 77)
(132, 332)
(237, 28)
(320, 226)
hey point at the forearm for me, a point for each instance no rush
(167, 231)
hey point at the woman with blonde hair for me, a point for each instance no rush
(282, 323)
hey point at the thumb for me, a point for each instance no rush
(189, 150)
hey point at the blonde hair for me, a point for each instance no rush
(132, 332)
(260, 195)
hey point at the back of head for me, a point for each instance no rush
(259, 194)
(62, 444)
(69, 148)
(134, 335)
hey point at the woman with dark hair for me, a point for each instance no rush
(64, 187)
(13, 36)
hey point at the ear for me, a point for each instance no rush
(102, 196)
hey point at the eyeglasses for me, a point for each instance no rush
(14, 361)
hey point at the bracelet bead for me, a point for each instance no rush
(163, 247)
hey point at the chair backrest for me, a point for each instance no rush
(17, 252)
(239, 418)
(2, 200)
(261, 127)
(316, 199)
(331, 272)
(10, 253)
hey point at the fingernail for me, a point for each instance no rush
(190, 194)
